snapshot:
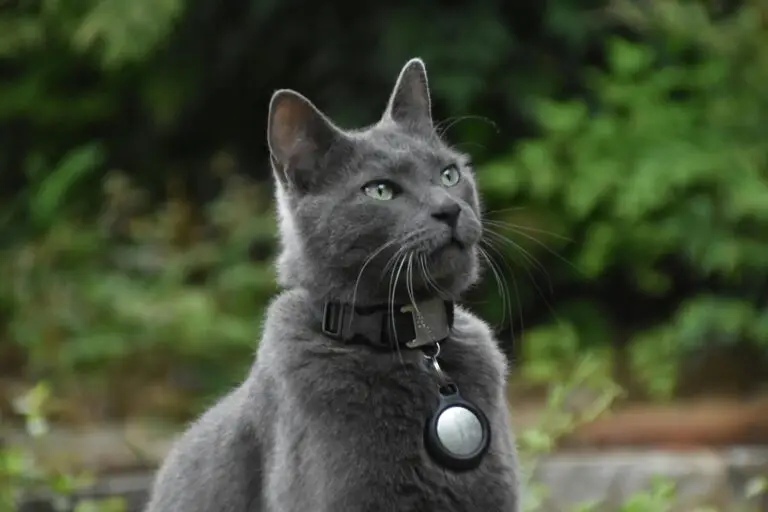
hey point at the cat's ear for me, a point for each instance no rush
(409, 105)
(299, 137)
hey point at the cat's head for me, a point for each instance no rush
(361, 209)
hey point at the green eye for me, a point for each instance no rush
(450, 176)
(380, 190)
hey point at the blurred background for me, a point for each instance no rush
(620, 147)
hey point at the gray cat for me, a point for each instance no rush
(333, 415)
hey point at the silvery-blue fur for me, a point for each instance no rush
(322, 426)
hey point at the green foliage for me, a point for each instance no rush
(659, 497)
(655, 170)
(51, 189)
(117, 30)
(142, 26)
(90, 293)
(661, 181)
(106, 305)
(564, 413)
(21, 473)
(561, 417)
(642, 186)
(57, 40)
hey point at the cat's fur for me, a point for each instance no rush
(323, 427)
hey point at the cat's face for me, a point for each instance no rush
(388, 212)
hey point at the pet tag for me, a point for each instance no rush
(457, 434)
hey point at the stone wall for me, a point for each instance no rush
(704, 477)
(714, 478)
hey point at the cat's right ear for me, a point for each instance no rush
(299, 137)
(409, 104)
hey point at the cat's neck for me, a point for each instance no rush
(373, 297)
(416, 322)
(354, 285)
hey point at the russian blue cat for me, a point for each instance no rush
(374, 224)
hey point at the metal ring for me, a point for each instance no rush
(431, 351)
(437, 368)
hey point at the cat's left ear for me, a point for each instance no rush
(409, 105)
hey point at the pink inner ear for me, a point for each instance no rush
(410, 103)
(290, 132)
(287, 119)
(416, 88)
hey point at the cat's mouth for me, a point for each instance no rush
(455, 242)
(452, 244)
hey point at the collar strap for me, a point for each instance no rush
(389, 327)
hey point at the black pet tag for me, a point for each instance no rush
(457, 434)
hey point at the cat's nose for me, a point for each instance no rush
(448, 213)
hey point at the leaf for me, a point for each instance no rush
(756, 487)
(499, 179)
(654, 358)
(627, 59)
(536, 441)
(126, 30)
(598, 248)
(52, 190)
(561, 117)
(19, 34)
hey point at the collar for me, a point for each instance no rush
(388, 327)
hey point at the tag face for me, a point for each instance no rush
(457, 435)
(459, 431)
(430, 321)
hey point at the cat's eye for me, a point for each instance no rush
(450, 176)
(381, 190)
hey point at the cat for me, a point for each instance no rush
(379, 217)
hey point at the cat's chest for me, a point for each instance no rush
(396, 386)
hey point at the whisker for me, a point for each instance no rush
(392, 296)
(409, 280)
(429, 279)
(527, 271)
(424, 276)
(390, 292)
(452, 121)
(533, 281)
(491, 247)
(467, 143)
(411, 292)
(504, 210)
(392, 262)
(553, 253)
(406, 243)
(499, 286)
(511, 274)
(409, 284)
(368, 260)
(518, 227)
(525, 254)
(399, 240)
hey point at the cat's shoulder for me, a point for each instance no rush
(473, 338)
(469, 325)
(289, 314)
(288, 331)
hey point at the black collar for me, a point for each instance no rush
(388, 327)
